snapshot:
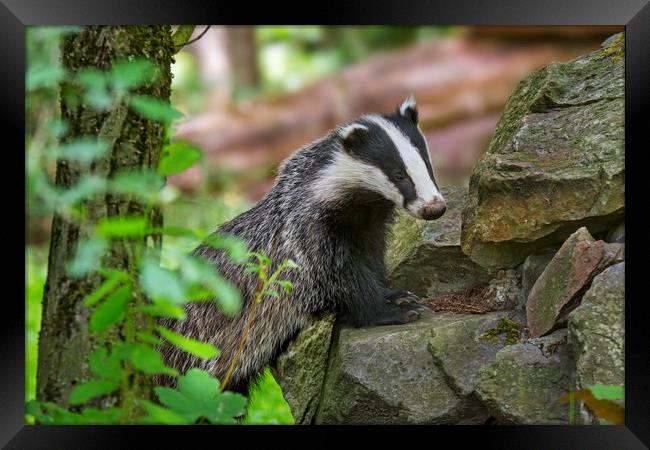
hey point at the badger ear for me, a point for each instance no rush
(352, 136)
(409, 109)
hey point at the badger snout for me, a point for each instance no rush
(433, 209)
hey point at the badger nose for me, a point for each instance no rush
(433, 209)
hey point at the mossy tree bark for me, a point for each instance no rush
(65, 343)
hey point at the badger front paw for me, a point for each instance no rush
(394, 315)
(406, 300)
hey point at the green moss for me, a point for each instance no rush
(616, 48)
(505, 326)
(404, 237)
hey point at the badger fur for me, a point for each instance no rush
(329, 211)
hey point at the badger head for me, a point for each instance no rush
(388, 154)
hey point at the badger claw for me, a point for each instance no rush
(397, 316)
(407, 300)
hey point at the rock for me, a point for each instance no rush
(557, 290)
(596, 330)
(504, 291)
(425, 256)
(300, 370)
(386, 375)
(556, 161)
(532, 268)
(617, 234)
(523, 386)
(550, 343)
(459, 351)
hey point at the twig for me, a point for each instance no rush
(178, 47)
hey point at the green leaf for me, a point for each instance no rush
(183, 34)
(286, 285)
(198, 293)
(91, 79)
(200, 349)
(607, 392)
(104, 365)
(99, 100)
(199, 270)
(83, 150)
(58, 127)
(50, 413)
(173, 231)
(252, 268)
(164, 309)
(44, 76)
(291, 264)
(129, 226)
(198, 396)
(88, 186)
(111, 311)
(234, 246)
(127, 75)
(95, 85)
(272, 293)
(87, 257)
(107, 286)
(141, 183)
(262, 259)
(161, 284)
(95, 416)
(159, 415)
(149, 361)
(231, 405)
(177, 157)
(53, 33)
(148, 338)
(154, 108)
(91, 389)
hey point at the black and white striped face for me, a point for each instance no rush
(389, 155)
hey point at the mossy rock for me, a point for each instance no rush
(523, 385)
(300, 370)
(556, 161)
(558, 289)
(386, 375)
(425, 257)
(597, 330)
(460, 350)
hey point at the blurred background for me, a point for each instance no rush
(253, 95)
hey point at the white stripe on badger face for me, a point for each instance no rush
(415, 167)
(345, 173)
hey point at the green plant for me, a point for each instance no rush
(266, 282)
(601, 400)
(126, 304)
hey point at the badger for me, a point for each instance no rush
(329, 211)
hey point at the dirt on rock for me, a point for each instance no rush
(473, 300)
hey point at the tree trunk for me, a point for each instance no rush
(243, 58)
(65, 343)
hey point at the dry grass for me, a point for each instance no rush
(470, 301)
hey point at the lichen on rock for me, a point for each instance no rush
(558, 289)
(597, 330)
(425, 256)
(300, 370)
(556, 162)
(523, 385)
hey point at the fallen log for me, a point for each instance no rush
(454, 79)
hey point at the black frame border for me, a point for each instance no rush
(15, 15)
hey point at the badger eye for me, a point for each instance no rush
(399, 176)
